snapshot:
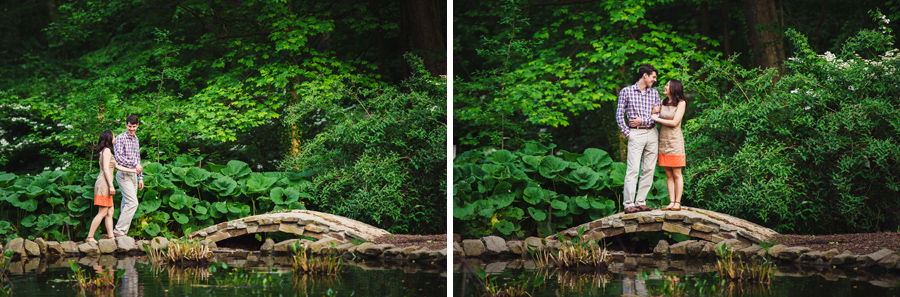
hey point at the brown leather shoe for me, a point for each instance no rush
(632, 209)
(644, 208)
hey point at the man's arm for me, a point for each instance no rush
(620, 110)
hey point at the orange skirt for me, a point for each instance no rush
(671, 160)
(105, 201)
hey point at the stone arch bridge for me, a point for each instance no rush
(698, 223)
(314, 224)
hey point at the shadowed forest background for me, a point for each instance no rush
(791, 122)
(246, 107)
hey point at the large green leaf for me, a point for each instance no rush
(187, 160)
(503, 200)
(557, 204)
(223, 186)
(54, 201)
(4, 227)
(180, 218)
(595, 158)
(292, 195)
(33, 191)
(463, 212)
(234, 207)
(149, 195)
(259, 183)
(617, 175)
(505, 227)
(29, 220)
(196, 176)
(502, 157)
(179, 172)
(78, 205)
(5, 178)
(484, 208)
(179, 201)
(151, 229)
(277, 195)
(550, 166)
(584, 177)
(537, 214)
(153, 168)
(534, 195)
(149, 206)
(236, 169)
(200, 209)
(221, 207)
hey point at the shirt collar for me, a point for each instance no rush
(638, 88)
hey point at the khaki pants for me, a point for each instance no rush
(643, 148)
(128, 183)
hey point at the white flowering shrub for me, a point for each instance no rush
(814, 149)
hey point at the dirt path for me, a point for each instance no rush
(858, 243)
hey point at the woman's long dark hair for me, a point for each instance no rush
(106, 140)
(677, 92)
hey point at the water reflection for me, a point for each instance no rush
(681, 277)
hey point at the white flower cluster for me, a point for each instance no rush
(884, 20)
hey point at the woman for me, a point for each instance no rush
(671, 141)
(103, 188)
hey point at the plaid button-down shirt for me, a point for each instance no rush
(128, 152)
(635, 103)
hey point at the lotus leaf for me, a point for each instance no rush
(196, 176)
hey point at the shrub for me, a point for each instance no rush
(810, 151)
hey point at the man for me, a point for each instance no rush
(636, 102)
(128, 154)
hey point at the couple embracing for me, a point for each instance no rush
(641, 105)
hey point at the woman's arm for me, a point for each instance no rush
(679, 113)
(125, 169)
(105, 155)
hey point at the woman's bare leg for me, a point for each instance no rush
(670, 182)
(96, 221)
(679, 183)
(109, 221)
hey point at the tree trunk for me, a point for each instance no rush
(725, 43)
(427, 34)
(765, 40)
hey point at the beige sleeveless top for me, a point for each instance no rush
(671, 141)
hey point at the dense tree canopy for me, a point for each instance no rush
(775, 134)
(215, 79)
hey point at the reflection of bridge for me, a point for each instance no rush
(694, 222)
(301, 222)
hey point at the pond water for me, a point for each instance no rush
(640, 280)
(245, 276)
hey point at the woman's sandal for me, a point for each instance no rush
(668, 207)
(108, 236)
(90, 240)
(677, 206)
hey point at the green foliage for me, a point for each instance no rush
(518, 193)
(811, 151)
(528, 66)
(178, 198)
(382, 161)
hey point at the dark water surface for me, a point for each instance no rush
(788, 281)
(141, 278)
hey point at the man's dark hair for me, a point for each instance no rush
(646, 68)
(132, 120)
